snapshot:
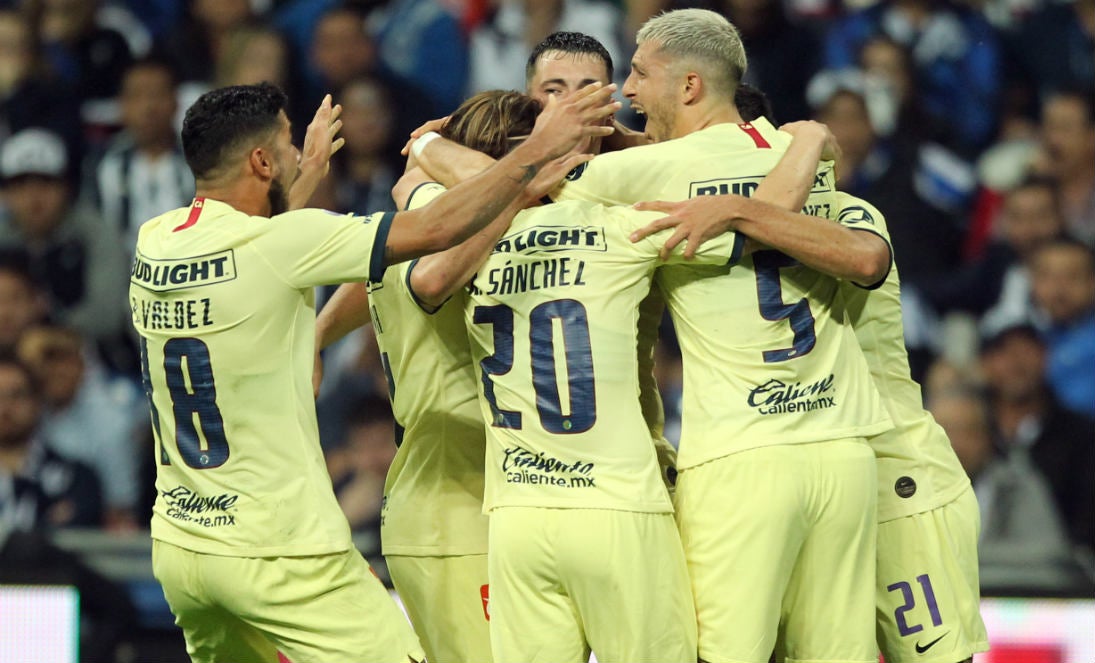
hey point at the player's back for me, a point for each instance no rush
(433, 492)
(224, 306)
(917, 467)
(552, 319)
(768, 355)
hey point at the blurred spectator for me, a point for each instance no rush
(888, 67)
(342, 51)
(255, 55)
(69, 489)
(420, 41)
(359, 465)
(142, 173)
(352, 372)
(1048, 50)
(998, 279)
(1023, 542)
(28, 96)
(72, 255)
(1063, 283)
(21, 305)
(365, 169)
(87, 416)
(38, 490)
(955, 53)
(1068, 135)
(783, 56)
(195, 43)
(1027, 416)
(88, 58)
(902, 179)
(500, 45)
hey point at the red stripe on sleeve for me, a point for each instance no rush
(754, 134)
(195, 212)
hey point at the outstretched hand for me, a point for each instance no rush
(554, 172)
(696, 220)
(567, 121)
(320, 143)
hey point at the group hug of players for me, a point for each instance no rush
(534, 512)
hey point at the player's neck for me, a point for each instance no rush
(242, 196)
(701, 116)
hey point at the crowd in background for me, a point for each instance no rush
(970, 125)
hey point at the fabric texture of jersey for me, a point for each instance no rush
(771, 333)
(433, 493)
(552, 322)
(225, 308)
(917, 468)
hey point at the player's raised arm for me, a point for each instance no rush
(471, 205)
(320, 145)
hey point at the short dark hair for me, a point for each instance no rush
(568, 42)
(222, 120)
(753, 103)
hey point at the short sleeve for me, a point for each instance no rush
(424, 194)
(857, 214)
(312, 247)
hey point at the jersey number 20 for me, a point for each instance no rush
(579, 364)
(189, 374)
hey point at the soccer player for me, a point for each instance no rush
(927, 588)
(552, 320)
(776, 487)
(249, 543)
(433, 530)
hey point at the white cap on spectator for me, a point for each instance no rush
(33, 152)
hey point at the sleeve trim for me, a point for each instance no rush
(410, 196)
(426, 308)
(378, 261)
(737, 249)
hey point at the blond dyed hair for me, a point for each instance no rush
(701, 38)
(493, 122)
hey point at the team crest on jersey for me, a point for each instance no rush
(179, 273)
(854, 215)
(546, 239)
(777, 397)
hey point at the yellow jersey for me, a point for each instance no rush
(552, 322)
(224, 305)
(769, 355)
(433, 494)
(917, 468)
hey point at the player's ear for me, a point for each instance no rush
(691, 88)
(262, 162)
